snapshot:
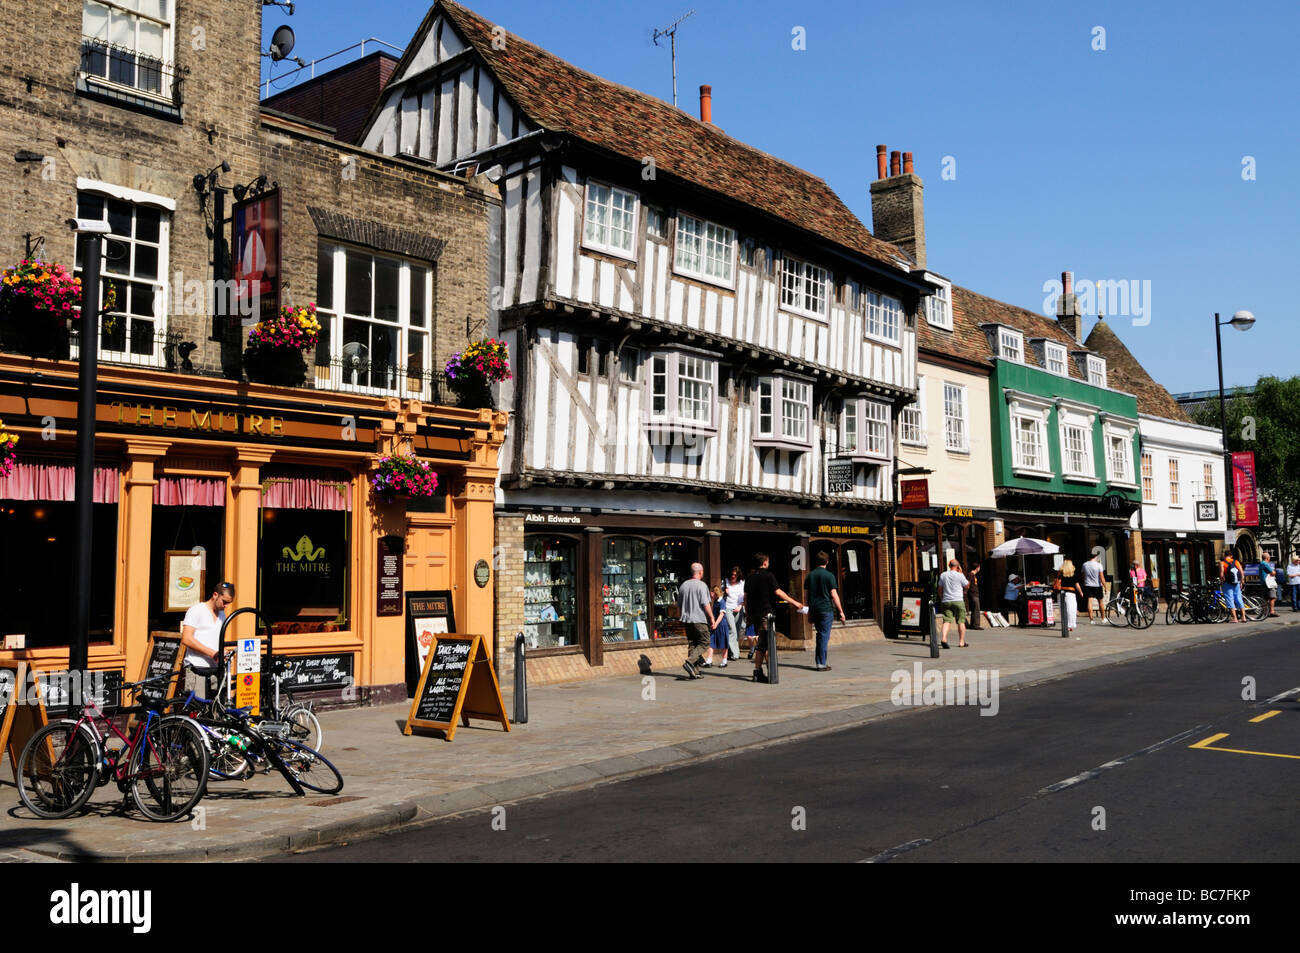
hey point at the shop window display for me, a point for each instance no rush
(672, 567)
(623, 591)
(550, 596)
(303, 569)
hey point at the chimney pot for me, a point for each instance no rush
(881, 161)
(706, 104)
(907, 163)
(1067, 282)
(894, 168)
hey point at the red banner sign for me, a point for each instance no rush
(916, 495)
(1245, 498)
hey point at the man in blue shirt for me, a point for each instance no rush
(1268, 576)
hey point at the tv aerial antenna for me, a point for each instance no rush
(671, 33)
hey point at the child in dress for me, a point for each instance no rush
(720, 635)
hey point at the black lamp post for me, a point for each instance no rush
(1242, 321)
(90, 236)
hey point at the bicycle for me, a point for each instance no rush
(164, 771)
(1129, 606)
(304, 726)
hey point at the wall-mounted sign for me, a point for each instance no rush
(839, 476)
(429, 614)
(256, 259)
(185, 579)
(392, 550)
(311, 672)
(1207, 510)
(960, 512)
(839, 529)
(482, 573)
(915, 495)
(566, 519)
(248, 674)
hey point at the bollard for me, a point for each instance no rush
(773, 667)
(1065, 628)
(521, 682)
(934, 630)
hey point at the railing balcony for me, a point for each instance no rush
(130, 76)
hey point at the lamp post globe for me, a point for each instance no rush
(1242, 320)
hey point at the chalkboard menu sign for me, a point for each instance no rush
(164, 657)
(458, 682)
(392, 552)
(24, 713)
(429, 613)
(11, 686)
(310, 672)
(57, 690)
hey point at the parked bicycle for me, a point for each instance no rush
(162, 767)
(1131, 606)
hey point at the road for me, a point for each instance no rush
(1094, 767)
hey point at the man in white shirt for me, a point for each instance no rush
(952, 600)
(1293, 580)
(1094, 587)
(201, 635)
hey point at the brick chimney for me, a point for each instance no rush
(897, 204)
(1067, 308)
(706, 104)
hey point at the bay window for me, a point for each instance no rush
(783, 413)
(864, 428)
(683, 389)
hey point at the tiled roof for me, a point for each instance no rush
(562, 98)
(1123, 372)
(971, 309)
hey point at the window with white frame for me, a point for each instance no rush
(1096, 371)
(375, 316)
(1029, 438)
(864, 428)
(135, 263)
(654, 222)
(784, 412)
(955, 428)
(804, 286)
(1119, 457)
(683, 390)
(884, 317)
(1148, 479)
(1076, 450)
(938, 308)
(128, 43)
(1208, 482)
(1011, 345)
(705, 249)
(611, 220)
(1175, 490)
(1056, 358)
(911, 422)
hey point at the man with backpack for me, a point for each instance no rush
(1233, 574)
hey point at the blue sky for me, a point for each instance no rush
(1117, 164)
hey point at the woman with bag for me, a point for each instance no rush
(1067, 581)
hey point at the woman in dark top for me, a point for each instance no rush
(1069, 583)
(973, 597)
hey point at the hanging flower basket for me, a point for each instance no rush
(472, 372)
(36, 301)
(277, 347)
(8, 450)
(404, 477)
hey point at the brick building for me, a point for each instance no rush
(145, 114)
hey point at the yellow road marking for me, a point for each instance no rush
(1207, 744)
(1267, 715)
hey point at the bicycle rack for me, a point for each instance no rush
(267, 656)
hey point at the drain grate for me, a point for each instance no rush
(331, 801)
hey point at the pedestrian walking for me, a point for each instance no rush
(1071, 591)
(761, 594)
(734, 586)
(696, 615)
(1268, 573)
(952, 599)
(1232, 574)
(973, 597)
(1293, 580)
(823, 604)
(1093, 579)
(720, 632)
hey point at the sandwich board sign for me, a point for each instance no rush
(23, 710)
(458, 682)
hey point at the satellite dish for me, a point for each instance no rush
(282, 41)
(356, 360)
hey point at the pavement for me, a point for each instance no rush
(579, 735)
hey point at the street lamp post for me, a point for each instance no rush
(1242, 321)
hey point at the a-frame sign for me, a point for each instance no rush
(458, 683)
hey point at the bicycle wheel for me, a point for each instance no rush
(1116, 614)
(309, 767)
(228, 762)
(304, 726)
(1172, 609)
(58, 770)
(1141, 615)
(1218, 611)
(170, 771)
(1256, 608)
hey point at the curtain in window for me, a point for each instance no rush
(55, 481)
(306, 490)
(189, 491)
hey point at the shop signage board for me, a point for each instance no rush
(839, 476)
(256, 258)
(1207, 511)
(310, 672)
(392, 553)
(429, 613)
(911, 607)
(24, 713)
(164, 656)
(185, 579)
(104, 688)
(1244, 498)
(457, 683)
(248, 674)
(915, 495)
